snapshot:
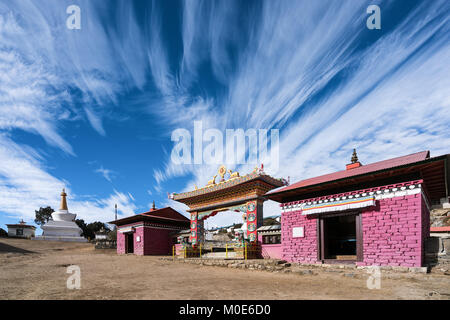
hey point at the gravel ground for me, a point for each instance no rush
(37, 270)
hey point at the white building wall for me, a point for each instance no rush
(27, 232)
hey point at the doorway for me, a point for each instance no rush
(340, 238)
(129, 243)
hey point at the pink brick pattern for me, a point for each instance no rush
(120, 243)
(394, 232)
(153, 240)
(299, 249)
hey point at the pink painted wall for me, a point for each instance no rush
(271, 251)
(303, 250)
(394, 232)
(139, 246)
(153, 241)
(120, 243)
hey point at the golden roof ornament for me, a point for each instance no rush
(222, 171)
(212, 181)
(354, 156)
(63, 200)
(233, 175)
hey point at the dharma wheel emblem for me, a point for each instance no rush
(251, 217)
(222, 172)
(251, 207)
(251, 227)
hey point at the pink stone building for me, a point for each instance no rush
(375, 214)
(150, 233)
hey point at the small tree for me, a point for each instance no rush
(90, 229)
(43, 215)
(3, 233)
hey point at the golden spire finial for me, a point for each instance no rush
(354, 156)
(63, 200)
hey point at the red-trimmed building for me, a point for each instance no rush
(150, 233)
(375, 214)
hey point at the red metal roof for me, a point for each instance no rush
(364, 169)
(166, 214)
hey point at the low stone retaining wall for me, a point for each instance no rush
(282, 266)
(105, 244)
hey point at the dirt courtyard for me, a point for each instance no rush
(37, 270)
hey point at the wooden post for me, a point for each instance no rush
(246, 251)
(173, 252)
(185, 252)
(226, 250)
(200, 250)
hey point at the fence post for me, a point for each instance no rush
(200, 250)
(173, 252)
(185, 252)
(226, 250)
(246, 251)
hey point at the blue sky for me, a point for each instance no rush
(93, 110)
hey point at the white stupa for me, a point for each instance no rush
(62, 226)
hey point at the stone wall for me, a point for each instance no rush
(440, 217)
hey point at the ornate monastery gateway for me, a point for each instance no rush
(240, 194)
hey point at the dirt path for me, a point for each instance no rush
(37, 270)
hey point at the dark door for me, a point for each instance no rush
(129, 243)
(340, 237)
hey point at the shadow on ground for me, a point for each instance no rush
(6, 248)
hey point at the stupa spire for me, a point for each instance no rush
(354, 157)
(63, 200)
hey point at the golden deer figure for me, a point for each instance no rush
(233, 175)
(212, 181)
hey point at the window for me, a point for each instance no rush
(19, 232)
(272, 239)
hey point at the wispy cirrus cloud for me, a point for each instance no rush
(50, 76)
(325, 81)
(106, 173)
(25, 185)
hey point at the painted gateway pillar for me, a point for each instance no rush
(254, 219)
(196, 235)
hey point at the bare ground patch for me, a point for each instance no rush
(40, 273)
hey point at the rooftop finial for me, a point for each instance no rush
(153, 205)
(354, 156)
(63, 200)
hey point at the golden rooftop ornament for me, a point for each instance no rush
(63, 200)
